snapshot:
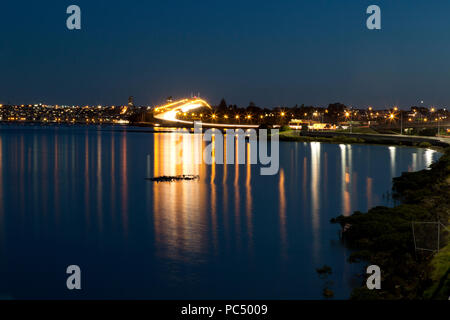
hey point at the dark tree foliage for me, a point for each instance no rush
(335, 108)
(222, 105)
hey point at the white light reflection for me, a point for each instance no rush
(392, 154)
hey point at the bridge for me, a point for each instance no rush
(169, 111)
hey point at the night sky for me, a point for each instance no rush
(275, 53)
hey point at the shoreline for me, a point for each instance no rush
(384, 236)
(439, 144)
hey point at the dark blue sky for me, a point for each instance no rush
(271, 52)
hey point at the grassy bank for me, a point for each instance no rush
(384, 237)
(292, 135)
(358, 130)
(440, 276)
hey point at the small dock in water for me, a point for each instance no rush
(188, 177)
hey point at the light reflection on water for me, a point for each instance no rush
(78, 195)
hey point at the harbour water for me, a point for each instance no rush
(78, 196)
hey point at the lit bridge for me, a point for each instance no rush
(169, 111)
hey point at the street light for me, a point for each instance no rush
(347, 115)
(439, 128)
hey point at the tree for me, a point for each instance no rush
(335, 108)
(222, 105)
(252, 108)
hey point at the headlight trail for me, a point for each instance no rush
(168, 112)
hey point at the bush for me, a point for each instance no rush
(428, 132)
(425, 144)
(285, 128)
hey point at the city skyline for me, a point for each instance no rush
(124, 102)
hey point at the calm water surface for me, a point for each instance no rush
(78, 195)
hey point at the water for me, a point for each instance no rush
(77, 195)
